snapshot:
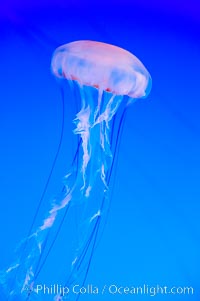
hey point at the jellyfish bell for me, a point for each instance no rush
(104, 66)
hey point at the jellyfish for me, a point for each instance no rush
(105, 80)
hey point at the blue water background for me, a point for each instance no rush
(153, 230)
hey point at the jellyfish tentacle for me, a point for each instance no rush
(101, 124)
(119, 133)
(49, 221)
(109, 173)
(25, 242)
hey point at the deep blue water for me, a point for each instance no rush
(153, 229)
